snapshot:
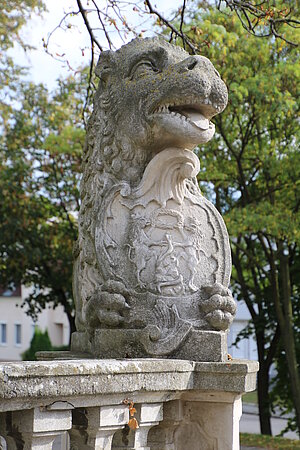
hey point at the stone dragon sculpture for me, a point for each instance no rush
(152, 256)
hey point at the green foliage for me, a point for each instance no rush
(39, 342)
(40, 157)
(251, 170)
(41, 141)
(13, 15)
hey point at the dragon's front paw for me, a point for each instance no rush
(219, 308)
(105, 308)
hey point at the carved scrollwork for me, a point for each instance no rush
(168, 332)
(161, 237)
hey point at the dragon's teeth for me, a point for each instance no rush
(198, 119)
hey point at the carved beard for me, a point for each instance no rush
(168, 182)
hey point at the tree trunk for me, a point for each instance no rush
(287, 331)
(265, 357)
(263, 386)
(264, 400)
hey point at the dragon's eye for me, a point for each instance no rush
(142, 68)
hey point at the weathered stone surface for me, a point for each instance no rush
(197, 346)
(209, 346)
(153, 254)
(199, 424)
(41, 383)
(33, 429)
(177, 404)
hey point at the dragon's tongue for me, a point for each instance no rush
(197, 118)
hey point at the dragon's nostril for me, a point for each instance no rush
(192, 64)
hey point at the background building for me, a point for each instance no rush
(17, 328)
(246, 348)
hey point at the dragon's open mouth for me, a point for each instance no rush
(190, 113)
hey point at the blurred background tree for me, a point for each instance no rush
(13, 15)
(40, 156)
(40, 342)
(251, 170)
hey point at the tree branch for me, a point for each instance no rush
(88, 26)
(166, 22)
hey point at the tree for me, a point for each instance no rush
(266, 18)
(253, 163)
(40, 156)
(112, 22)
(259, 18)
(40, 342)
(13, 15)
(281, 393)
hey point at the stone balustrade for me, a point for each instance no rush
(179, 404)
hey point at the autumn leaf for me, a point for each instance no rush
(133, 424)
(132, 411)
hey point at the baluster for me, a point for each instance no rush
(94, 428)
(37, 428)
(209, 421)
(161, 437)
(150, 415)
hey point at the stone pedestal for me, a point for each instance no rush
(201, 421)
(179, 404)
(205, 346)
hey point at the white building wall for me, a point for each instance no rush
(11, 313)
(246, 348)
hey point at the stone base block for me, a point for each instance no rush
(61, 356)
(206, 346)
(80, 342)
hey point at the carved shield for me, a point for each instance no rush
(163, 237)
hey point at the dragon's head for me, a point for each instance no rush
(161, 96)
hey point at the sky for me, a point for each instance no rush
(73, 42)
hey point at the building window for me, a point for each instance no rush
(11, 290)
(18, 336)
(3, 333)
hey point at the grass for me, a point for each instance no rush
(268, 442)
(250, 397)
(264, 441)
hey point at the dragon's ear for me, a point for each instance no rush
(105, 66)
